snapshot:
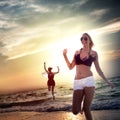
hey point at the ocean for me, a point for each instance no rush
(40, 100)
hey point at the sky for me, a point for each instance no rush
(36, 31)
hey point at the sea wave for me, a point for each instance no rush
(40, 100)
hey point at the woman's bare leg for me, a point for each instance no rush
(49, 88)
(53, 92)
(77, 100)
(89, 93)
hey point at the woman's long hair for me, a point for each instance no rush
(91, 44)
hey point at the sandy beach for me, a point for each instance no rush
(39, 105)
(60, 115)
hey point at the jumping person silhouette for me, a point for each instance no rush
(51, 82)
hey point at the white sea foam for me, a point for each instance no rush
(41, 100)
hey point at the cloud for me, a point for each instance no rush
(110, 28)
(12, 3)
(30, 24)
(39, 8)
(116, 54)
(112, 54)
(31, 41)
(98, 13)
(7, 24)
(2, 57)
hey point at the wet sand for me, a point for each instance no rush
(60, 115)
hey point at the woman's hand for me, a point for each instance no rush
(111, 85)
(64, 51)
(58, 68)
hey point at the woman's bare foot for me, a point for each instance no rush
(53, 97)
(81, 112)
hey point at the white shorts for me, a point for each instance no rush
(80, 84)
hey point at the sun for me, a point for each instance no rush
(57, 59)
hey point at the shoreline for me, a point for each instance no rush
(60, 115)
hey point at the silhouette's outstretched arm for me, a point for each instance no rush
(58, 70)
(45, 67)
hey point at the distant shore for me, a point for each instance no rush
(60, 115)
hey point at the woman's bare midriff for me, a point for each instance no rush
(82, 71)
